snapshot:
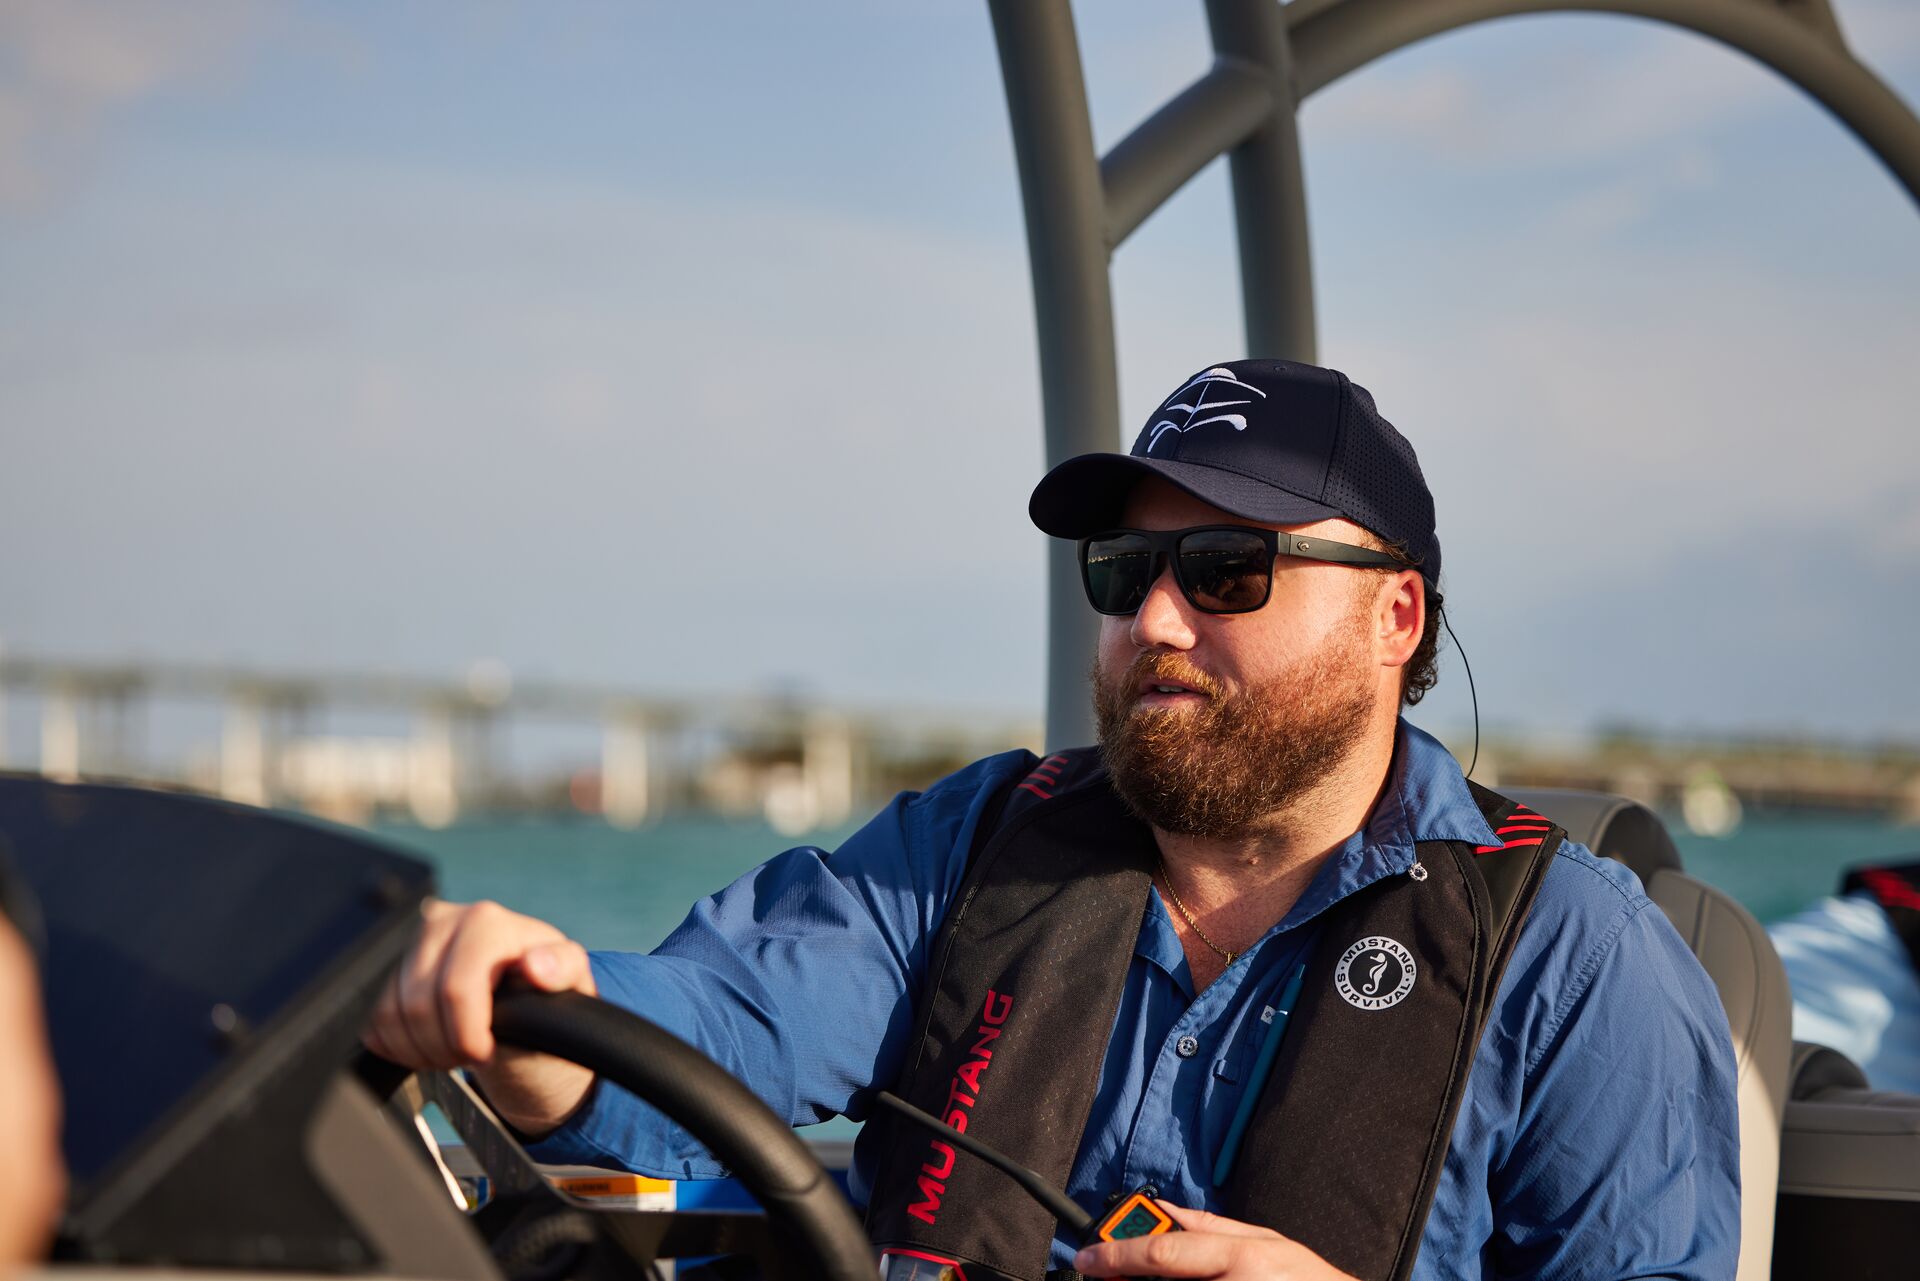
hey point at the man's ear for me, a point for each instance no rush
(1400, 617)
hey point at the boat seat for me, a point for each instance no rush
(1739, 958)
(1849, 1173)
(1611, 826)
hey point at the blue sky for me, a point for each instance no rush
(690, 347)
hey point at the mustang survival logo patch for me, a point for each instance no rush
(1374, 973)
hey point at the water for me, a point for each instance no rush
(606, 888)
(1777, 864)
(627, 890)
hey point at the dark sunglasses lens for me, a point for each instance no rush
(1225, 571)
(1118, 572)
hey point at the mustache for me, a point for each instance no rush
(1169, 667)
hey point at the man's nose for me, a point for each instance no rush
(1164, 618)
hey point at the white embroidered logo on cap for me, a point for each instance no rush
(1374, 973)
(1204, 382)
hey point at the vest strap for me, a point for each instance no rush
(1006, 1050)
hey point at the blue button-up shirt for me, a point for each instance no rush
(1598, 1136)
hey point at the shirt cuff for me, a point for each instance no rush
(588, 1138)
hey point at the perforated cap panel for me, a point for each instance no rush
(1375, 478)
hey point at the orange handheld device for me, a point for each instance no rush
(1133, 1215)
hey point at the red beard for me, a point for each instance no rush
(1218, 769)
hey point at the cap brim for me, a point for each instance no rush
(1087, 494)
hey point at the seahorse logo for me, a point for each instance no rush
(1375, 973)
(1193, 405)
(1373, 976)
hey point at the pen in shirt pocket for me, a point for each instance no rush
(1262, 1069)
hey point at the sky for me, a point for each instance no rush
(690, 348)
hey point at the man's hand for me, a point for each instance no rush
(1210, 1246)
(438, 1010)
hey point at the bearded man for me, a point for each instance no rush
(1264, 954)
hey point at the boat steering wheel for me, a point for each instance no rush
(803, 1204)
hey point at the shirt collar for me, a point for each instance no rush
(1427, 796)
(1426, 799)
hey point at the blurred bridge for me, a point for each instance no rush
(271, 739)
(800, 764)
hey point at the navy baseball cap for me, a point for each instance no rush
(1273, 441)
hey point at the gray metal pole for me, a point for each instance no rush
(1073, 305)
(1334, 37)
(1269, 58)
(1269, 188)
(1210, 117)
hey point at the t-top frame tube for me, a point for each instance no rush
(1268, 57)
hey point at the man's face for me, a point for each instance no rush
(1211, 722)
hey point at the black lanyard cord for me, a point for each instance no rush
(1474, 693)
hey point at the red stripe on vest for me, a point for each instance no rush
(1516, 843)
(1045, 775)
(1891, 890)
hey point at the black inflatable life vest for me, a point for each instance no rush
(1025, 979)
(1897, 890)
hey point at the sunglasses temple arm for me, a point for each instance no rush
(1338, 553)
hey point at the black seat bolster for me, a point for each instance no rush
(1816, 1069)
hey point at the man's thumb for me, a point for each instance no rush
(548, 969)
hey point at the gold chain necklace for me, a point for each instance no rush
(1187, 916)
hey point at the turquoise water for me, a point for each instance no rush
(1777, 864)
(607, 888)
(614, 889)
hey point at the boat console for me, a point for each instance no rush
(207, 970)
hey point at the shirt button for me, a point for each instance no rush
(1186, 1047)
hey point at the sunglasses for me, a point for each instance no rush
(1221, 569)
